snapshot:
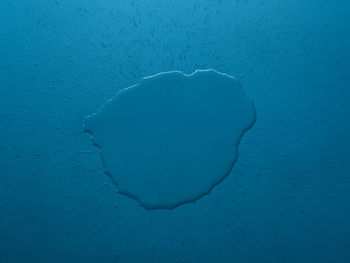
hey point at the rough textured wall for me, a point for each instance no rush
(287, 198)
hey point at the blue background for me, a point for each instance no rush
(287, 198)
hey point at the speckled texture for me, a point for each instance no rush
(287, 198)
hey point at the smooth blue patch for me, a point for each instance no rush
(172, 137)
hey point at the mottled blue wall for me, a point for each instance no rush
(287, 198)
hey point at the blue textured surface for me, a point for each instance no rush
(287, 198)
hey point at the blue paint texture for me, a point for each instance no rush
(287, 197)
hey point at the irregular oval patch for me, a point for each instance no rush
(171, 138)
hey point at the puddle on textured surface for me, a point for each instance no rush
(171, 138)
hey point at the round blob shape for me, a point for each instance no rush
(171, 138)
